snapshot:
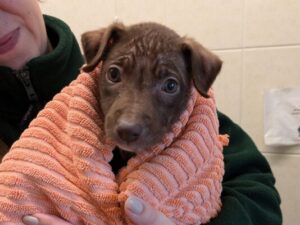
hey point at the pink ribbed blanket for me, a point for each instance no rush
(60, 165)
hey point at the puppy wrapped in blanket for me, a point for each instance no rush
(144, 90)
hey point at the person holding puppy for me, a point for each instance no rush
(36, 62)
(39, 56)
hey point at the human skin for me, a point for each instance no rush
(23, 37)
(22, 32)
(139, 212)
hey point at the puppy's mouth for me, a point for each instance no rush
(132, 138)
(130, 147)
(135, 146)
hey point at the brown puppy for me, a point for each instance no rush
(146, 79)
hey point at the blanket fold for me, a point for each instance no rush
(60, 165)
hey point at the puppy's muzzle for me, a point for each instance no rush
(129, 131)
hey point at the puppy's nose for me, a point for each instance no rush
(129, 132)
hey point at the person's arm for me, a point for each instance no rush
(249, 196)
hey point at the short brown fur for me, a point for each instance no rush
(142, 66)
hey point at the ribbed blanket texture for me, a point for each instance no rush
(60, 165)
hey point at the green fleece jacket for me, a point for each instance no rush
(249, 196)
(23, 93)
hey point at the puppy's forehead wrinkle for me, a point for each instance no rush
(162, 62)
(159, 44)
(147, 46)
(148, 51)
(150, 38)
(126, 60)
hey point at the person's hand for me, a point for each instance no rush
(137, 210)
(140, 213)
(44, 219)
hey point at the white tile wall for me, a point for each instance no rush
(228, 84)
(259, 42)
(215, 23)
(134, 11)
(272, 22)
(81, 15)
(265, 68)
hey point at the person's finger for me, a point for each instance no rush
(44, 219)
(141, 213)
(137, 210)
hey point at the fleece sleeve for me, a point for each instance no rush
(249, 196)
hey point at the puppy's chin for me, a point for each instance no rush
(136, 146)
(130, 148)
(143, 143)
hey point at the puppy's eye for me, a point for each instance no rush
(170, 86)
(114, 74)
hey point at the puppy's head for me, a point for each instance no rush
(145, 79)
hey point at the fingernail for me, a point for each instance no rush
(30, 220)
(134, 205)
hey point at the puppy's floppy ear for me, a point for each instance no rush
(202, 64)
(96, 44)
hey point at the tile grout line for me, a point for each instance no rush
(243, 63)
(116, 10)
(280, 153)
(256, 47)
